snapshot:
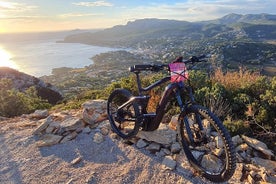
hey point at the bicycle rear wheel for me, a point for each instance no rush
(207, 144)
(123, 120)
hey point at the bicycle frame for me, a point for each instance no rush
(173, 89)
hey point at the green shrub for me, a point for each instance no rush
(14, 102)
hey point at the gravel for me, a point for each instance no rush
(80, 161)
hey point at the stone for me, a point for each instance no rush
(169, 162)
(86, 130)
(237, 140)
(113, 136)
(71, 124)
(154, 147)
(163, 135)
(141, 143)
(269, 165)
(69, 137)
(3, 118)
(175, 148)
(49, 130)
(211, 162)
(258, 145)
(104, 131)
(76, 161)
(94, 111)
(173, 123)
(242, 147)
(218, 152)
(40, 114)
(43, 126)
(238, 172)
(49, 140)
(98, 138)
(250, 179)
(219, 142)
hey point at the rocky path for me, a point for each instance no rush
(81, 160)
(79, 147)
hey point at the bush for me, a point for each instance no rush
(14, 102)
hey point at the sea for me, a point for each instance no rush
(38, 53)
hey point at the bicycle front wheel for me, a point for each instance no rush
(123, 119)
(207, 144)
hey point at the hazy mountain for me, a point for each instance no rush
(248, 18)
(256, 27)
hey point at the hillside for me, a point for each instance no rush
(161, 39)
(22, 81)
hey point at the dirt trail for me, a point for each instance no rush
(80, 160)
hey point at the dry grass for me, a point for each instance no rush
(235, 80)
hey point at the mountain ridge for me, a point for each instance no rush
(143, 29)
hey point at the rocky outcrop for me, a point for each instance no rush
(64, 126)
(22, 81)
(256, 163)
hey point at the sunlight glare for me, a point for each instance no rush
(5, 59)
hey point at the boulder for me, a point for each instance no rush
(94, 111)
(258, 145)
(71, 124)
(163, 135)
(40, 114)
(269, 165)
(211, 162)
(43, 126)
(69, 137)
(49, 140)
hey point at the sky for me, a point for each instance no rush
(53, 15)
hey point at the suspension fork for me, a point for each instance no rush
(184, 107)
(192, 99)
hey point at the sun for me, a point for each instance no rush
(5, 59)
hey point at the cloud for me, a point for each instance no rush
(197, 10)
(93, 4)
(15, 7)
(79, 15)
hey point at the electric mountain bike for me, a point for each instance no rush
(205, 141)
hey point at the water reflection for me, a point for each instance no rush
(6, 59)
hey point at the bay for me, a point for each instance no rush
(37, 55)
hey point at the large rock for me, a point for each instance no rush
(71, 124)
(162, 135)
(258, 145)
(94, 111)
(48, 140)
(211, 162)
(43, 126)
(269, 165)
(40, 114)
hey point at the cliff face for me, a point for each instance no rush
(22, 81)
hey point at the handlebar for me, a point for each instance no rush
(159, 67)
